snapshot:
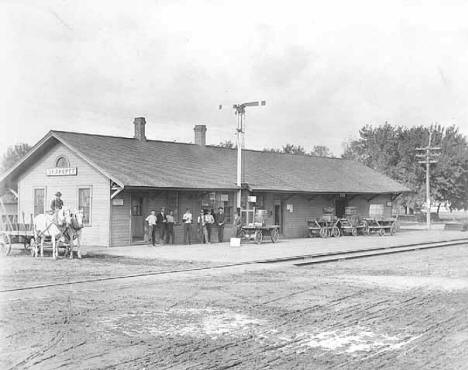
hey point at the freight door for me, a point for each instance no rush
(279, 216)
(340, 205)
(138, 226)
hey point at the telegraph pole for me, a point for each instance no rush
(429, 154)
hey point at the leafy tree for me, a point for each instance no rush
(293, 149)
(391, 150)
(272, 150)
(321, 151)
(226, 144)
(13, 154)
(318, 150)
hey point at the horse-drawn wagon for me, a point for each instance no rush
(59, 230)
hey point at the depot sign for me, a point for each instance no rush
(62, 171)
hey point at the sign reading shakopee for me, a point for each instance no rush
(62, 171)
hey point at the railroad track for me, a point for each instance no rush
(302, 260)
(370, 252)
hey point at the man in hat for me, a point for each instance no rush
(57, 202)
(220, 217)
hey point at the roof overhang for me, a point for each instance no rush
(153, 188)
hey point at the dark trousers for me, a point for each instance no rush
(203, 233)
(209, 227)
(152, 230)
(220, 233)
(162, 232)
(170, 235)
(187, 233)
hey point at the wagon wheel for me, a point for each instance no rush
(5, 245)
(335, 232)
(274, 235)
(323, 232)
(32, 246)
(258, 236)
(27, 243)
(365, 228)
(242, 234)
(353, 231)
(311, 234)
(381, 232)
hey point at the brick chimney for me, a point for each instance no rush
(140, 123)
(200, 135)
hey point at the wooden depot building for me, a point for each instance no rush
(117, 181)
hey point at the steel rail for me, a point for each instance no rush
(377, 252)
(320, 258)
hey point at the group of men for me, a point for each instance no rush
(161, 227)
(207, 222)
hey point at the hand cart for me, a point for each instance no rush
(323, 227)
(382, 226)
(258, 232)
(352, 223)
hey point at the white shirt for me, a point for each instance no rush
(151, 219)
(187, 218)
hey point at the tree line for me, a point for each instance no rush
(390, 149)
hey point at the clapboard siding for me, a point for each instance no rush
(120, 221)
(304, 207)
(155, 200)
(363, 204)
(97, 234)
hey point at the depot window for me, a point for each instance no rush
(62, 162)
(39, 201)
(84, 204)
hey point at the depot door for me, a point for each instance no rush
(278, 217)
(340, 205)
(138, 226)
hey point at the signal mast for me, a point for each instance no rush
(239, 111)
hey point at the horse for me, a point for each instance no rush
(75, 226)
(49, 225)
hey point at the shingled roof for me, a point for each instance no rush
(161, 164)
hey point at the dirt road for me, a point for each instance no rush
(399, 311)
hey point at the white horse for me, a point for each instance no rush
(51, 225)
(75, 226)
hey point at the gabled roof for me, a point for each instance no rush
(162, 164)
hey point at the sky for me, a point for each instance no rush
(325, 68)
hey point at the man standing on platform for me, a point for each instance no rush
(220, 216)
(161, 224)
(170, 235)
(187, 219)
(237, 225)
(151, 219)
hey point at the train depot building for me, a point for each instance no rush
(117, 181)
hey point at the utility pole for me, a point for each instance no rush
(239, 110)
(429, 153)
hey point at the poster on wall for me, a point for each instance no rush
(117, 202)
(290, 208)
